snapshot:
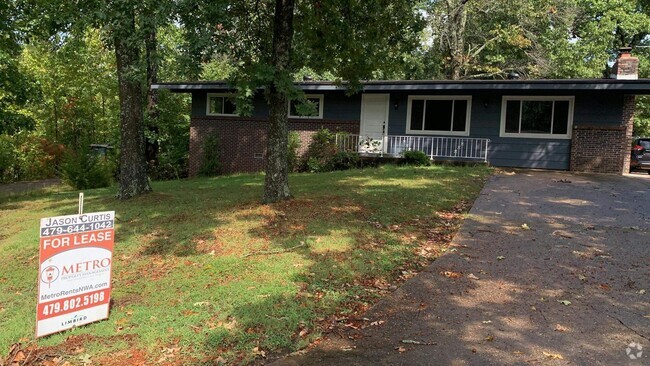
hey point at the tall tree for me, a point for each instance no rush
(119, 20)
(276, 185)
(125, 38)
(15, 87)
(77, 86)
(271, 40)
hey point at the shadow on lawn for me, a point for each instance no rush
(357, 239)
(585, 245)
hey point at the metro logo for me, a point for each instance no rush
(87, 266)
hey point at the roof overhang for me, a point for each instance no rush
(640, 86)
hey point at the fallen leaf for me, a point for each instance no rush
(525, 226)
(501, 257)
(258, 352)
(85, 359)
(553, 355)
(451, 274)
(560, 328)
(20, 356)
(564, 302)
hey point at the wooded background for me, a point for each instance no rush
(61, 82)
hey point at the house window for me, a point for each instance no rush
(537, 117)
(221, 105)
(435, 115)
(312, 109)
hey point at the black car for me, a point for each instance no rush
(640, 154)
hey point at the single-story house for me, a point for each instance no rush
(577, 124)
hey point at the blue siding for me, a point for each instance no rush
(336, 105)
(485, 122)
(592, 108)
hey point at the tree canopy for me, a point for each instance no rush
(76, 72)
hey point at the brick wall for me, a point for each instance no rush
(597, 149)
(629, 105)
(601, 148)
(243, 140)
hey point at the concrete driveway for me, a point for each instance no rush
(549, 268)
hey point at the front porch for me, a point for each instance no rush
(437, 148)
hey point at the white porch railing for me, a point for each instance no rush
(464, 148)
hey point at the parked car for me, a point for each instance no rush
(640, 154)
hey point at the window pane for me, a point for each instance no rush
(561, 118)
(438, 115)
(644, 144)
(512, 116)
(536, 116)
(460, 115)
(316, 103)
(308, 109)
(292, 108)
(228, 106)
(417, 108)
(216, 106)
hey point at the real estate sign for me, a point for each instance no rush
(76, 252)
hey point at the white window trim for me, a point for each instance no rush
(207, 105)
(321, 99)
(468, 116)
(567, 136)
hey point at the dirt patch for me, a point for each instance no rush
(71, 351)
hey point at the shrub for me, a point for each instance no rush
(344, 160)
(211, 163)
(321, 151)
(415, 158)
(292, 146)
(84, 169)
(7, 159)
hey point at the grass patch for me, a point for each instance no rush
(193, 281)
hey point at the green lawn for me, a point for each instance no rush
(198, 272)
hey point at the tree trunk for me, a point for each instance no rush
(151, 48)
(457, 13)
(276, 184)
(133, 166)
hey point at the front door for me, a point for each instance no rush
(374, 122)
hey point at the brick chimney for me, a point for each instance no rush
(626, 66)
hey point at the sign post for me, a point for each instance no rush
(76, 252)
